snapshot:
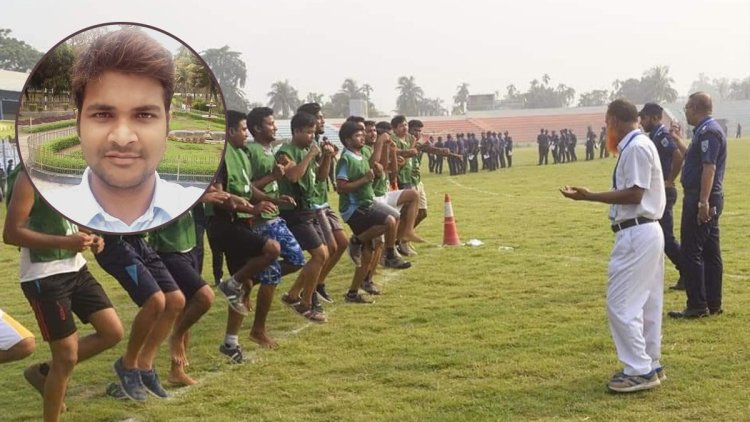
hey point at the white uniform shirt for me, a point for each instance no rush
(638, 165)
(79, 205)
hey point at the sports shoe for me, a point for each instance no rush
(661, 374)
(316, 305)
(115, 391)
(405, 249)
(310, 313)
(622, 383)
(233, 296)
(151, 381)
(689, 313)
(34, 376)
(323, 294)
(233, 353)
(370, 288)
(355, 251)
(397, 262)
(356, 298)
(130, 380)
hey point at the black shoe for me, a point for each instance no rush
(322, 294)
(680, 285)
(316, 305)
(715, 311)
(370, 288)
(689, 313)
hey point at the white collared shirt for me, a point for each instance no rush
(638, 165)
(77, 203)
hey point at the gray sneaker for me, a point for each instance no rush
(130, 380)
(397, 262)
(151, 381)
(622, 383)
(233, 353)
(233, 296)
(660, 373)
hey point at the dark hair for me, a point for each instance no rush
(397, 120)
(312, 108)
(369, 122)
(129, 51)
(234, 118)
(623, 110)
(302, 121)
(256, 116)
(382, 127)
(415, 124)
(348, 129)
(356, 119)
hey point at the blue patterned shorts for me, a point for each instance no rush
(291, 252)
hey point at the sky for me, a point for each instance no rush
(316, 44)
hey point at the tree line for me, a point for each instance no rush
(230, 71)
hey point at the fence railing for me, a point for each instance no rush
(67, 166)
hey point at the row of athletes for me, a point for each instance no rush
(264, 210)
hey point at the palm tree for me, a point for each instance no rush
(283, 98)
(462, 97)
(659, 84)
(350, 88)
(366, 89)
(546, 79)
(410, 96)
(314, 97)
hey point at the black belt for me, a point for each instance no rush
(630, 223)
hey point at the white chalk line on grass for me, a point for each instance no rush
(384, 278)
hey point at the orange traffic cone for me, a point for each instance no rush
(450, 232)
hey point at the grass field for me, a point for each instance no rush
(483, 333)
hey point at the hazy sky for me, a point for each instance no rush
(316, 44)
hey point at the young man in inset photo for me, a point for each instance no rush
(123, 85)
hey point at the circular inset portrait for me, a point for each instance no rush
(121, 128)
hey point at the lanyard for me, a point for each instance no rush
(698, 129)
(614, 172)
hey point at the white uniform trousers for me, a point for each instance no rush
(635, 294)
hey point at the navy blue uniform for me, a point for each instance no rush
(701, 252)
(666, 147)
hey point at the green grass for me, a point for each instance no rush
(7, 128)
(466, 334)
(190, 121)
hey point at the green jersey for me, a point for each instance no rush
(177, 236)
(416, 175)
(43, 219)
(351, 167)
(237, 167)
(262, 162)
(405, 172)
(380, 183)
(304, 190)
(320, 198)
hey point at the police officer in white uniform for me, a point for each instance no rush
(636, 267)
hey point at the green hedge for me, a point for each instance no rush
(44, 127)
(49, 158)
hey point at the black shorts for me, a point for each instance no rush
(184, 270)
(305, 228)
(329, 223)
(54, 299)
(138, 269)
(365, 217)
(237, 240)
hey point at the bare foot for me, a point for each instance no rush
(263, 340)
(177, 349)
(177, 376)
(412, 237)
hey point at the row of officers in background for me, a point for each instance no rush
(563, 145)
(493, 149)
